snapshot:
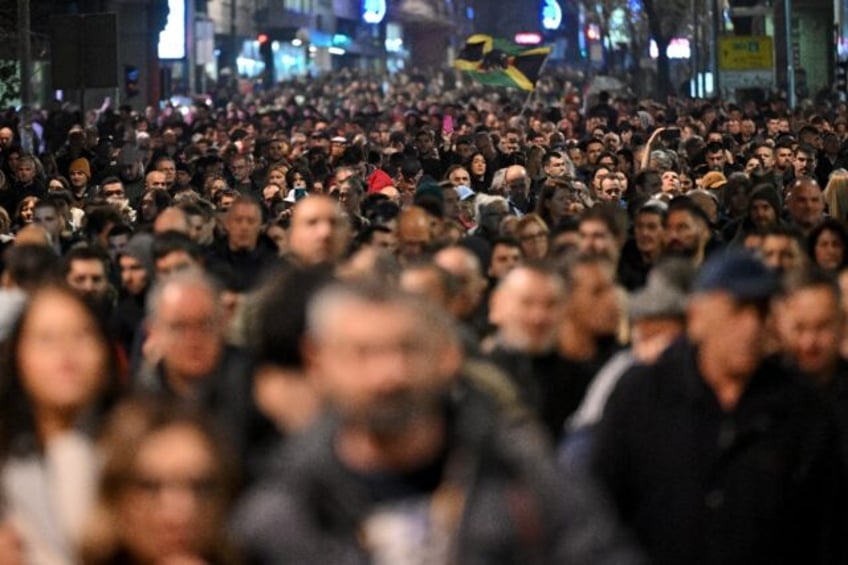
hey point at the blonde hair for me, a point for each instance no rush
(836, 194)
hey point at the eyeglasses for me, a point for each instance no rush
(534, 236)
(201, 487)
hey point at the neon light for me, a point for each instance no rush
(551, 14)
(528, 38)
(373, 11)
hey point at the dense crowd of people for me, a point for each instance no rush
(402, 320)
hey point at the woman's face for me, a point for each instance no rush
(478, 166)
(829, 251)
(172, 505)
(298, 181)
(534, 241)
(27, 211)
(558, 205)
(55, 185)
(61, 357)
(277, 177)
(600, 173)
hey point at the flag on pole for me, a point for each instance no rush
(499, 62)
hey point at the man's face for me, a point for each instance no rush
(155, 180)
(379, 367)
(526, 310)
(593, 152)
(240, 169)
(276, 151)
(78, 179)
(317, 233)
(803, 163)
(510, 143)
(187, 329)
(349, 198)
(167, 167)
(783, 158)
(491, 216)
(597, 240)
(728, 332)
(134, 277)
(460, 177)
(243, 223)
(451, 200)
(684, 234)
(174, 262)
(610, 189)
(199, 229)
(114, 193)
(806, 205)
(671, 182)
(555, 167)
(765, 155)
(386, 241)
(88, 276)
(811, 326)
(6, 137)
(782, 253)
(117, 244)
(504, 259)
(762, 214)
(593, 302)
(48, 218)
(25, 171)
(715, 160)
(578, 158)
(649, 233)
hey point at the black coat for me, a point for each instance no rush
(760, 484)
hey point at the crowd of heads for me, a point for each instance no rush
(182, 286)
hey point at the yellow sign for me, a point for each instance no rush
(745, 53)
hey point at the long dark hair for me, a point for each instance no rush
(18, 435)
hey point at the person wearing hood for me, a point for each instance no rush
(136, 268)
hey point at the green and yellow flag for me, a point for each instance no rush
(499, 62)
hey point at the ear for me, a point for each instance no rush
(310, 355)
(450, 360)
(697, 318)
(495, 307)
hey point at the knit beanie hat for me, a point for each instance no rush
(80, 165)
(140, 247)
(769, 195)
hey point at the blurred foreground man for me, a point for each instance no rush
(812, 324)
(411, 465)
(717, 454)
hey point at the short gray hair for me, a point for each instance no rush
(191, 278)
(437, 324)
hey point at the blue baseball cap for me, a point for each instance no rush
(740, 274)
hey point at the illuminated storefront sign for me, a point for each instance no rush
(373, 11)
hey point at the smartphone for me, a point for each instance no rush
(447, 124)
(299, 193)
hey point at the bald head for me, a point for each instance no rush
(172, 219)
(414, 234)
(32, 235)
(526, 307)
(318, 232)
(465, 267)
